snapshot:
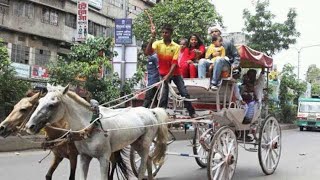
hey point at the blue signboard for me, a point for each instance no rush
(123, 31)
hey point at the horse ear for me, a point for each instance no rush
(34, 98)
(66, 89)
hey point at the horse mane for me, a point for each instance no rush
(79, 99)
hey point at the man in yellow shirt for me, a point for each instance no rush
(168, 52)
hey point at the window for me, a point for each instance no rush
(49, 16)
(71, 20)
(24, 9)
(42, 57)
(117, 3)
(96, 29)
(20, 54)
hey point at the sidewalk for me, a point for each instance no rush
(14, 143)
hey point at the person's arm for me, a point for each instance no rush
(199, 53)
(149, 50)
(223, 52)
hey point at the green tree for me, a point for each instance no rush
(290, 91)
(185, 17)
(11, 88)
(265, 35)
(313, 76)
(81, 67)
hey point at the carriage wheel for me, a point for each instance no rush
(198, 149)
(269, 150)
(223, 155)
(135, 161)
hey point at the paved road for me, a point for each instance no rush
(300, 160)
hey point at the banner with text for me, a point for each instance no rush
(82, 20)
(123, 31)
(22, 70)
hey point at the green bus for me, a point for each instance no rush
(308, 113)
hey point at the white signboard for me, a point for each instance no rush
(82, 20)
(94, 3)
(22, 70)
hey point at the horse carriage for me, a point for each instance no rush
(220, 122)
(216, 130)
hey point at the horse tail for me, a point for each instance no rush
(162, 136)
(118, 162)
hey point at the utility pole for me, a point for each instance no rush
(123, 61)
(299, 51)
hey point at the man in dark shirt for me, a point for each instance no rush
(153, 77)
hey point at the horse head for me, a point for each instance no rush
(20, 113)
(49, 110)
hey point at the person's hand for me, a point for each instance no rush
(153, 31)
(190, 62)
(242, 102)
(196, 51)
(166, 78)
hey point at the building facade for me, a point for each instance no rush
(37, 31)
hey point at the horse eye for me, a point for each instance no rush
(51, 106)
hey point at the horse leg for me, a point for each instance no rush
(144, 153)
(149, 168)
(104, 167)
(73, 166)
(84, 163)
(56, 161)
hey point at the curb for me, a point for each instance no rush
(14, 143)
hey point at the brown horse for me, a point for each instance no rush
(21, 113)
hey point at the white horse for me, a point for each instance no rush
(136, 127)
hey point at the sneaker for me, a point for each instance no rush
(214, 88)
(194, 115)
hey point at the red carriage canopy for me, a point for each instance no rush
(250, 58)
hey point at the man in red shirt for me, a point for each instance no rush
(168, 52)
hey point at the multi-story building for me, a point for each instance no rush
(36, 31)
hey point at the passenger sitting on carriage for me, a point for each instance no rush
(232, 59)
(187, 62)
(251, 92)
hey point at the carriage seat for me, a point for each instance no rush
(199, 88)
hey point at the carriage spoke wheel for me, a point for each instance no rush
(269, 150)
(200, 148)
(135, 161)
(223, 155)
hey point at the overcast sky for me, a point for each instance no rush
(308, 24)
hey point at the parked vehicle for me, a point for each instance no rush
(308, 113)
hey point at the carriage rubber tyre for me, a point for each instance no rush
(135, 163)
(198, 149)
(301, 128)
(223, 155)
(269, 149)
